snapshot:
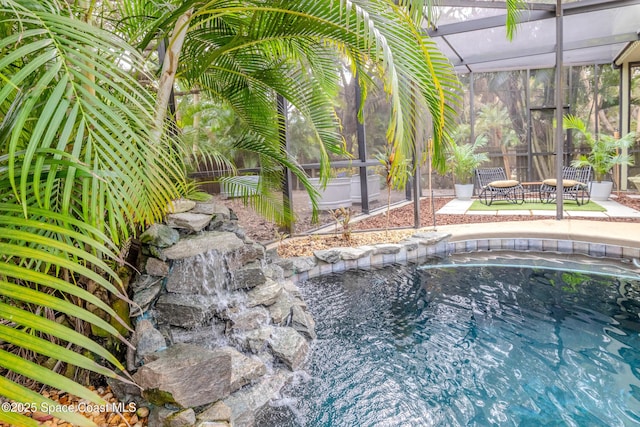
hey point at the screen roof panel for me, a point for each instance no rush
(594, 31)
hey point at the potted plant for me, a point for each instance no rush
(462, 162)
(606, 152)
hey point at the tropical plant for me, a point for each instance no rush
(342, 216)
(464, 159)
(79, 170)
(244, 52)
(606, 151)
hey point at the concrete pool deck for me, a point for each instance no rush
(575, 226)
(579, 230)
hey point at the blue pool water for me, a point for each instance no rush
(414, 346)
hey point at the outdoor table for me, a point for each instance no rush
(532, 191)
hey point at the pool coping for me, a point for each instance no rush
(619, 241)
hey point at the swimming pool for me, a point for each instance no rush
(469, 345)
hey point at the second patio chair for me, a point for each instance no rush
(494, 185)
(574, 186)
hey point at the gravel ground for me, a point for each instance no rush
(128, 416)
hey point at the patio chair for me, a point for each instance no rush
(494, 185)
(574, 186)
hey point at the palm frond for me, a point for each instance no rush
(78, 173)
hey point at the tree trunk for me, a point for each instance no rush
(169, 69)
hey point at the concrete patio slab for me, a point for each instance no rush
(524, 212)
(455, 206)
(543, 213)
(615, 209)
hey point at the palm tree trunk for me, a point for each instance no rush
(169, 69)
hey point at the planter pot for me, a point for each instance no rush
(373, 187)
(600, 190)
(227, 192)
(464, 191)
(337, 193)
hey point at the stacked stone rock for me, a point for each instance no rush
(219, 330)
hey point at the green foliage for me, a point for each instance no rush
(245, 52)
(78, 172)
(463, 160)
(606, 150)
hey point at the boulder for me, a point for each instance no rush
(265, 294)
(213, 424)
(387, 248)
(187, 376)
(328, 255)
(410, 243)
(233, 227)
(286, 265)
(208, 336)
(430, 238)
(145, 281)
(222, 242)
(281, 309)
(303, 263)
(293, 290)
(243, 369)
(249, 253)
(158, 416)
(156, 267)
(274, 272)
(184, 418)
(219, 411)
(289, 346)
(202, 274)
(248, 319)
(188, 221)
(303, 322)
(147, 340)
(186, 311)
(142, 299)
(247, 277)
(258, 339)
(348, 254)
(218, 210)
(180, 205)
(124, 391)
(160, 235)
(246, 403)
